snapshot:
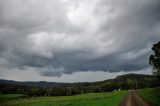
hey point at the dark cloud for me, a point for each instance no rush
(63, 37)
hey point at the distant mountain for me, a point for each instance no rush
(127, 78)
(32, 83)
(134, 76)
(42, 88)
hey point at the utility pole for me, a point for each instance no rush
(136, 85)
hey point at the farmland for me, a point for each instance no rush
(102, 93)
(90, 99)
(152, 95)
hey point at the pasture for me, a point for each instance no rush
(90, 99)
(152, 95)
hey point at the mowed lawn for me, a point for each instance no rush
(90, 99)
(152, 95)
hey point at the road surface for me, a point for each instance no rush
(133, 99)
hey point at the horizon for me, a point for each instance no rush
(112, 76)
(76, 40)
(77, 82)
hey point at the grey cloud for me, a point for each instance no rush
(30, 14)
(117, 35)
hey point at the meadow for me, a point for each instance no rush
(90, 99)
(152, 95)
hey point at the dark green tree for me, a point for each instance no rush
(155, 59)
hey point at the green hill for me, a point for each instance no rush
(123, 82)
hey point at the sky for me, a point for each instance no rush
(76, 40)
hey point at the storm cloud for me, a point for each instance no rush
(57, 37)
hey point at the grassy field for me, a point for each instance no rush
(91, 99)
(9, 96)
(152, 95)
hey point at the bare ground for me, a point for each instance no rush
(133, 99)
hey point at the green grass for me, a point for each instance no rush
(152, 95)
(10, 96)
(90, 99)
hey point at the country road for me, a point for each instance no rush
(133, 99)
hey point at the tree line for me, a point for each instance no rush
(124, 82)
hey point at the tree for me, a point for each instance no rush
(155, 59)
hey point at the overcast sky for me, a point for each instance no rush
(76, 40)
